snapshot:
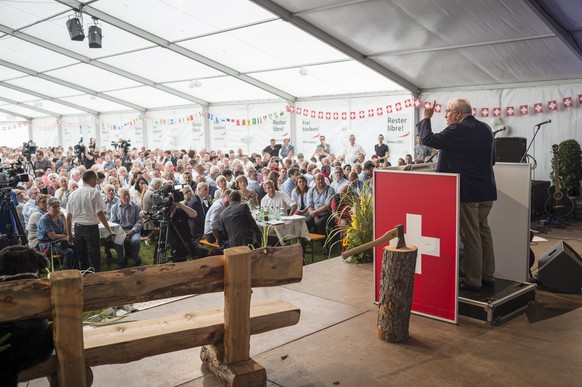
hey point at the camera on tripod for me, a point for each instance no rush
(124, 145)
(11, 176)
(79, 149)
(164, 197)
(28, 149)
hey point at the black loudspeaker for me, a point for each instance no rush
(75, 29)
(539, 197)
(94, 37)
(510, 149)
(560, 269)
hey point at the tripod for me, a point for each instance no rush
(11, 221)
(163, 244)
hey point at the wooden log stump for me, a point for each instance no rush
(396, 285)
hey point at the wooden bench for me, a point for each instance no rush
(315, 237)
(224, 332)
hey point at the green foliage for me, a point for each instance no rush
(569, 158)
(355, 215)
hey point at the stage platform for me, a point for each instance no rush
(335, 342)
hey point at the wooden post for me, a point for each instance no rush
(396, 286)
(230, 360)
(67, 302)
(237, 304)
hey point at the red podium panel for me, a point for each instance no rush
(427, 204)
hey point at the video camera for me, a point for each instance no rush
(164, 197)
(28, 149)
(79, 148)
(123, 144)
(11, 176)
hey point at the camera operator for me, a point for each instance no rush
(41, 164)
(179, 237)
(89, 155)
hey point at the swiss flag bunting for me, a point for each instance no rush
(344, 116)
(580, 99)
(362, 114)
(379, 111)
(407, 103)
(496, 111)
(510, 111)
(352, 115)
(370, 112)
(298, 111)
(567, 102)
(388, 109)
(305, 112)
(335, 115)
(484, 112)
(320, 115)
(538, 108)
(398, 106)
(474, 112)
(416, 103)
(427, 105)
(327, 115)
(290, 108)
(553, 105)
(523, 110)
(438, 108)
(313, 113)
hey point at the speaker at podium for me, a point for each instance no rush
(560, 269)
(510, 149)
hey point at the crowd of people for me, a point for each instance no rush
(68, 194)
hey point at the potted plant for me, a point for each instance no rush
(569, 157)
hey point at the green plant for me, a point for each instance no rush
(569, 158)
(354, 221)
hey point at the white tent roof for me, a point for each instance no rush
(167, 53)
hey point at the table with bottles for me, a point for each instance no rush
(285, 227)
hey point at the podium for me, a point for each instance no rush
(427, 204)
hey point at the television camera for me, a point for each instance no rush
(28, 149)
(12, 175)
(124, 145)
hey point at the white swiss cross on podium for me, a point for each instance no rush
(414, 237)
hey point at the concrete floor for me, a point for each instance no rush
(335, 341)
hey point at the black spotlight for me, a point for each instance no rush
(95, 35)
(75, 27)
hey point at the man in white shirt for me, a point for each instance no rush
(85, 209)
(352, 151)
(212, 227)
(277, 199)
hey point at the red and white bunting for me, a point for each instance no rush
(379, 111)
(407, 103)
(388, 109)
(553, 105)
(362, 114)
(335, 115)
(313, 114)
(538, 108)
(427, 105)
(567, 102)
(416, 103)
(352, 115)
(580, 99)
(510, 111)
(484, 112)
(327, 115)
(474, 112)
(398, 106)
(438, 108)
(320, 115)
(370, 112)
(344, 116)
(496, 111)
(523, 110)
(305, 112)
(290, 108)
(298, 111)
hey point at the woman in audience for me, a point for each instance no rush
(247, 196)
(299, 195)
(221, 184)
(138, 193)
(51, 228)
(32, 227)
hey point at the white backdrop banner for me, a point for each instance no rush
(14, 133)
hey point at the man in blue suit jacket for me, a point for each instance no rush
(467, 147)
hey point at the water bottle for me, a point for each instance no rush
(277, 214)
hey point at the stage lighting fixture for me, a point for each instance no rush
(95, 35)
(75, 27)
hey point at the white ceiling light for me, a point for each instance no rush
(194, 83)
(303, 71)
